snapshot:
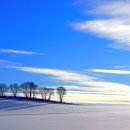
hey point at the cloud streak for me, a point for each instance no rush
(57, 74)
(5, 62)
(114, 23)
(121, 72)
(11, 51)
(118, 9)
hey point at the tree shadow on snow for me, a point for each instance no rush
(14, 104)
(10, 103)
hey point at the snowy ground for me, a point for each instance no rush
(28, 115)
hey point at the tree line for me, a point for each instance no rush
(30, 90)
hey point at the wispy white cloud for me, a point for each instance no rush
(67, 76)
(113, 8)
(121, 67)
(122, 72)
(11, 51)
(114, 23)
(58, 74)
(5, 62)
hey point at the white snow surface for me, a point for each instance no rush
(29, 115)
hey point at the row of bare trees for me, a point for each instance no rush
(31, 90)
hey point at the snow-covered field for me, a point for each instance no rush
(28, 115)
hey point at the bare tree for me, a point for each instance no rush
(34, 90)
(14, 89)
(51, 92)
(43, 92)
(24, 89)
(29, 89)
(3, 89)
(61, 91)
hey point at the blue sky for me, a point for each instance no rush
(82, 45)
